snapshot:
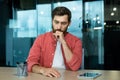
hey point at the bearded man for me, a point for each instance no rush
(57, 48)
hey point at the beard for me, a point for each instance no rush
(54, 30)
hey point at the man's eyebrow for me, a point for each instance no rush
(56, 21)
(61, 22)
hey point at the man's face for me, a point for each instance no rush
(60, 23)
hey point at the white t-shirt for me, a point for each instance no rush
(58, 61)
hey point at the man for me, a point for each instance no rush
(56, 49)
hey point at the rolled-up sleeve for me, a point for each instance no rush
(34, 55)
(75, 63)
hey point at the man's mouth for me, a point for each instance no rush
(59, 30)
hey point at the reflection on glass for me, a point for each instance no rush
(25, 25)
(44, 18)
(94, 14)
(92, 31)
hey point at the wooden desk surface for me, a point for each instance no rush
(7, 73)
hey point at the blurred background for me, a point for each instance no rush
(95, 22)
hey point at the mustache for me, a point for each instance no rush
(58, 30)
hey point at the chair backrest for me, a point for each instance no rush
(82, 66)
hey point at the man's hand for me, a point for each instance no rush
(59, 36)
(50, 72)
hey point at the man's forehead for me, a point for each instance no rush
(61, 18)
(65, 15)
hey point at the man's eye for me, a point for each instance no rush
(64, 23)
(56, 22)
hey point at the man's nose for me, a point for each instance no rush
(59, 26)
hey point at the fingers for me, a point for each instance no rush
(55, 73)
(58, 34)
(50, 72)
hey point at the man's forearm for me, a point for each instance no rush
(37, 69)
(67, 51)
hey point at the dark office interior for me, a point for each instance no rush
(96, 23)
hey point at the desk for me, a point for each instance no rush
(8, 73)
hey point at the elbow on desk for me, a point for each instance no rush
(75, 68)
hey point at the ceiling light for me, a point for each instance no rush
(41, 12)
(114, 9)
(58, 3)
(117, 22)
(96, 28)
(112, 14)
(74, 8)
(104, 23)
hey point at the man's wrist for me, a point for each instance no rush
(38, 69)
(41, 70)
(64, 42)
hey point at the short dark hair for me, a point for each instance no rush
(60, 11)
